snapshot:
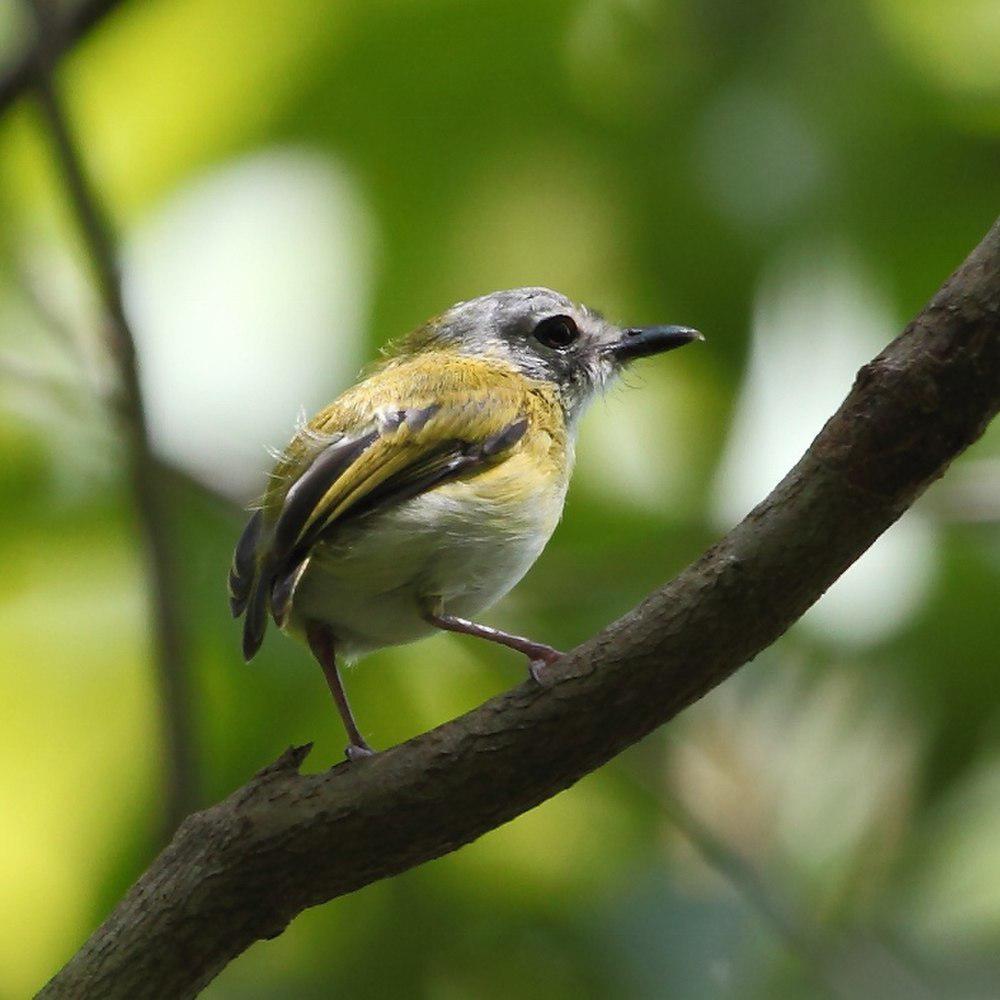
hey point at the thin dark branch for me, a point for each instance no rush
(21, 372)
(19, 78)
(143, 470)
(241, 870)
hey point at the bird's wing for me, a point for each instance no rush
(397, 452)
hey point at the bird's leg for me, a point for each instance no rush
(539, 655)
(324, 649)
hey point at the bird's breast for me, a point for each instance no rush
(462, 545)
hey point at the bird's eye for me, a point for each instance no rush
(557, 332)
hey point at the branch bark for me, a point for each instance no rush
(241, 870)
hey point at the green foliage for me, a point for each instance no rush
(297, 182)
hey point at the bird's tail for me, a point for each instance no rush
(248, 587)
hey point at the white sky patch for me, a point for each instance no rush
(816, 321)
(249, 292)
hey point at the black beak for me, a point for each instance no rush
(645, 340)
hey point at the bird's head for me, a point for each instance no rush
(546, 337)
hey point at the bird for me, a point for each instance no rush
(423, 494)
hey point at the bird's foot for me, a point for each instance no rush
(358, 751)
(540, 658)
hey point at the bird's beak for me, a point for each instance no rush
(642, 341)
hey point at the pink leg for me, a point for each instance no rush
(538, 653)
(322, 645)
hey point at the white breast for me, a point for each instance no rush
(457, 545)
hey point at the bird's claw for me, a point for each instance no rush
(537, 665)
(358, 751)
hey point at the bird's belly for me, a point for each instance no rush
(460, 547)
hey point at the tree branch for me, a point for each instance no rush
(76, 24)
(143, 470)
(241, 870)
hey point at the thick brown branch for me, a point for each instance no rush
(243, 869)
(144, 471)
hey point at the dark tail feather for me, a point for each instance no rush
(255, 623)
(244, 569)
(249, 584)
(283, 590)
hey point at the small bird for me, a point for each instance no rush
(425, 492)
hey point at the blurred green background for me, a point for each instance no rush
(295, 182)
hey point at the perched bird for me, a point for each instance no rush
(425, 492)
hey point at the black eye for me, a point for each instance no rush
(557, 332)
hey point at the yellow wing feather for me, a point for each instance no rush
(414, 423)
(471, 400)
